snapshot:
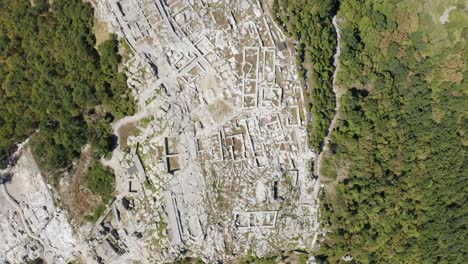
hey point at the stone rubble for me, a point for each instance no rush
(225, 151)
(31, 226)
(221, 166)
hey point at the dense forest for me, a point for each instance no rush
(55, 81)
(310, 24)
(396, 175)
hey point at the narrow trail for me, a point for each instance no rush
(338, 93)
(444, 18)
(16, 205)
(10, 199)
(114, 161)
(128, 119)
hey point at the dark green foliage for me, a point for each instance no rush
(403, 133)
(310, 23)
(284, 257)
(97, 213)
(258, 260)
(53, 79)
(36, 261)
(189, 260)
(100, 181)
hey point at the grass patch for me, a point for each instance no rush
(328, 168)
(125, 51)
(125, 131)
(145, 121)
(97, 213)
(161, 228)
(100, 181)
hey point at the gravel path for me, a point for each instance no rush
(23, 220)
(444, 18)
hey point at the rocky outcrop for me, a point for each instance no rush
(37, 227)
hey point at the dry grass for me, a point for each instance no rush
(101, 32)
(78, 200)
(220, 109)
(437, 112)
(125, 131)
(100, 29)
(452, 69)
(389, 37)
(220, 18)
(408, 20)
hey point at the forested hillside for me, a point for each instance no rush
(310, 24)
(55, 80)
(396, 175)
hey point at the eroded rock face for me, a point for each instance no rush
(31, 226)
(15, 244)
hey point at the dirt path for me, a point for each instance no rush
(338, 93)
(16, 205)
(127, 120)
(444, 18)
(114, 162)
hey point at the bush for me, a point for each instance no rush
(100, 181)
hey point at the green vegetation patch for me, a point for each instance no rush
(310, 23)
(402, 136)
(126, 131)
(101, 181)
(53, 80)
(189, 260)
(284, 257)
